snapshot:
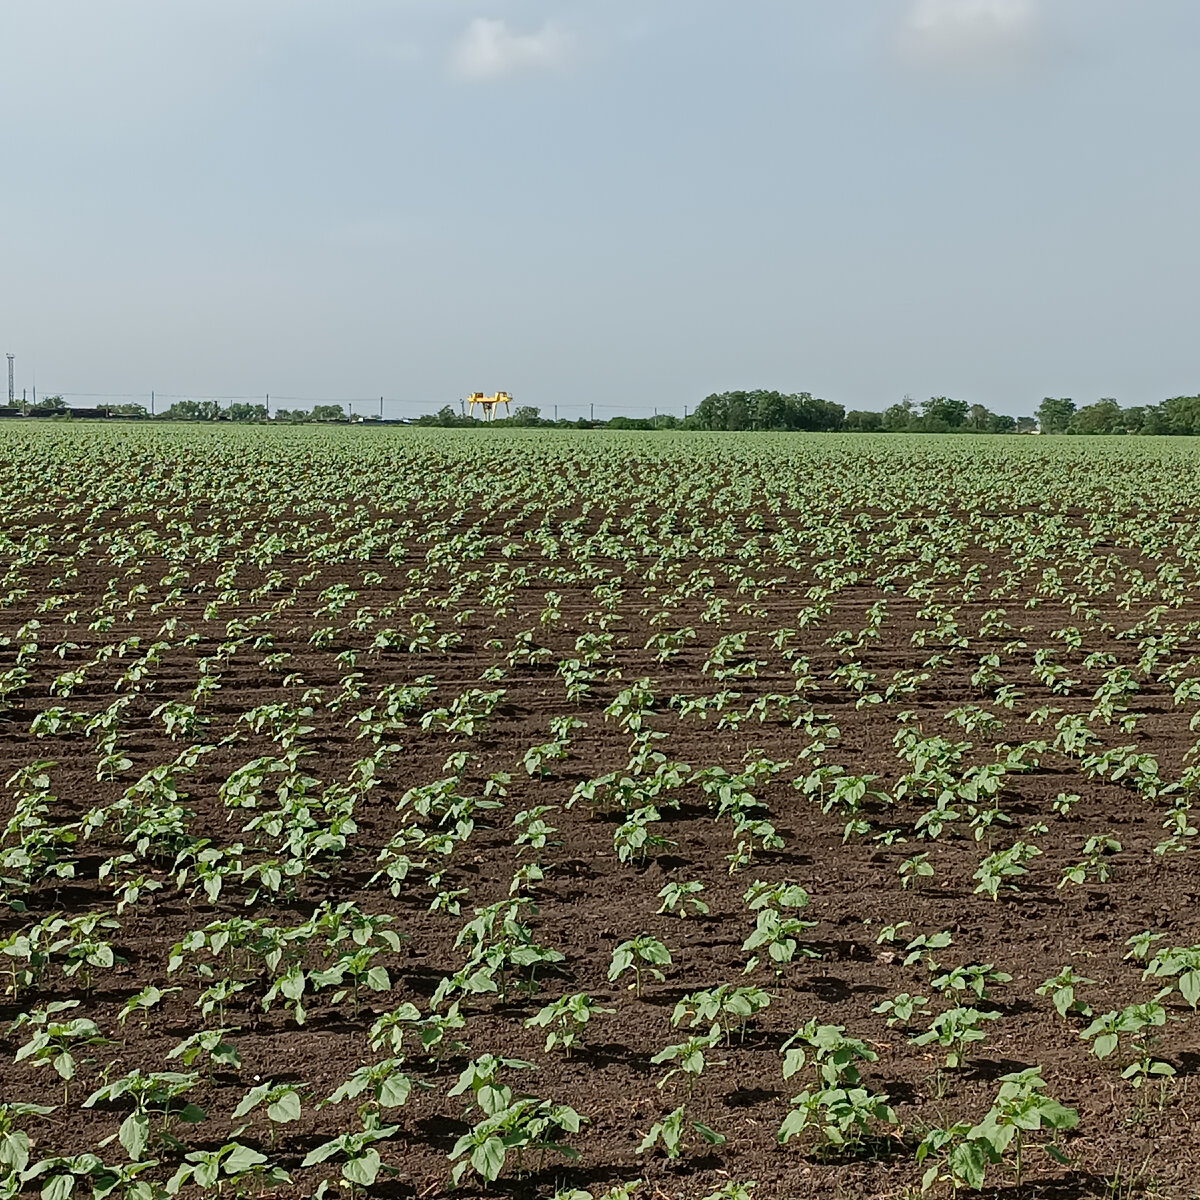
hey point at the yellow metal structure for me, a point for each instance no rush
(489, 404)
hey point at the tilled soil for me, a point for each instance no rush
(975, 552)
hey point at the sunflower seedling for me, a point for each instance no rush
(643, 955)
(671, 1132)
(955, 1030)
(566, 1018)
(283, 1104)
(1061, 990)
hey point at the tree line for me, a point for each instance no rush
(759, 409)
(1179, 415)
(941, 414)
(770, 410)
(194, 410)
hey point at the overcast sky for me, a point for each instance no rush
(629, 203)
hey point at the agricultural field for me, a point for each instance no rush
(413, 813)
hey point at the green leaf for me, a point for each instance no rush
(292, 984)
(793, 1124)
(207, 1172)
(488, 1159)
(14, 1150)
(362, 1170)
(242, 1158)
(394, 1092)
(647, 1143)
(58, 1187)
(1057, 1116)
(1189, 987)
(969, 1162)
(134, 1134)
(250, 1099)
(182, 1174)
(793, 1061)
(227, 1055)
(320, 1154)
(285, 1108)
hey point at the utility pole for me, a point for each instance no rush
(11, 394)
(381, 408)
(152, 403)
(592, 409)
(556, 412)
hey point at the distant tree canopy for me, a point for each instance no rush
(766, 410)
(46, 404)
(1054, 415)
(528, 416)
(756, 409)
(446, 418)
(210, 410)
(761, 409)
(863, 421)
(1178, 415)
(940, 414)
(193, 410)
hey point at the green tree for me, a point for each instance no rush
(899, 417)
(711, 413)
(1141, 418)
(858, 421)
(765, 409)
(737, 412)
(447, 418)
(980, 418)
(244, 411)
(1180, 414)
(940, 411)
(1055, 415)
(811, 412)
(328, 412)
(193, 410)
(1102, 417)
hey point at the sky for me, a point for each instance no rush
(626, 205)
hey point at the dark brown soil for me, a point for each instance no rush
(982, 550)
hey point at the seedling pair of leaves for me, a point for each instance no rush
(673, 1134)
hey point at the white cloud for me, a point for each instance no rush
(969, 34)
(488, 49)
